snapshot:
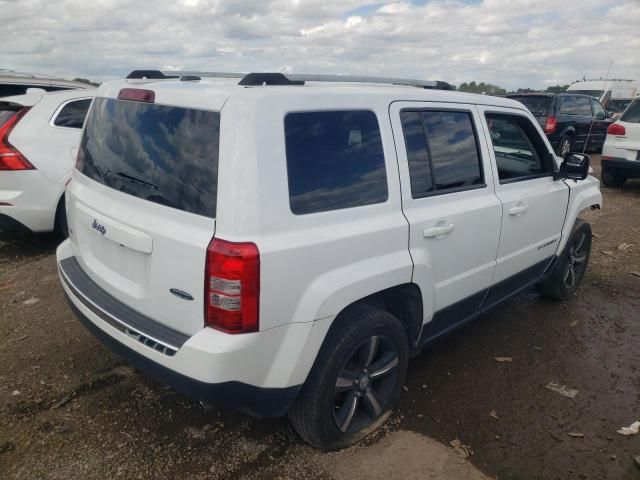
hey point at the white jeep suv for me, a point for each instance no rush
(284, 244)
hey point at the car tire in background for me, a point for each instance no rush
(61, 228)
(565, 146)
(612, 179)
(355, 381)
(571, 266)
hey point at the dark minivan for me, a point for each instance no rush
(570, 121)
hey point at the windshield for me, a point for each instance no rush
(538, 105)
(618, 105)
(167, 155)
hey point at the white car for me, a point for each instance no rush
(39, 138)
(284, 244)
(621, 150)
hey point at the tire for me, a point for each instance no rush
(565, 146)
(341, 402)
(61, 228)
(571, 266)
(611, 179)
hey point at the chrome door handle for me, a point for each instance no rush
(518, 209)
(439, 230)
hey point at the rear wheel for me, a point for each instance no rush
(612, 179)
(571, 266)
(61, 227)
(565, 146)
(355, 381)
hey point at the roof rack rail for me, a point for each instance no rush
(266, 78)
(149, 74)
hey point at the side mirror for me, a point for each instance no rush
(575, 166)
(610, 113)
(600, 116)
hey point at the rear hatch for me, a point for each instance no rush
(539, 105)
(142, 206)
(630, 120)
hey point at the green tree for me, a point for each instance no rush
(482, 87)
(557, 88)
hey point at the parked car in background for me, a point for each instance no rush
(571, 122)
(39, 136)
(621, 151)
(16, 83)
(276, 244)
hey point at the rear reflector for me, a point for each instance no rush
(137, 95)
(551, 125)
(232, 286)
(10, 156)
(616, 129)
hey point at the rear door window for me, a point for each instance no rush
(632, 113)
(163, 154)
(335, 160)
(442, 151)
(583, 106)
(568, 105)
(72, 114)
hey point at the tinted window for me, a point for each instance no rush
(583, 106)
(632, 113)
(167, 155)
(441, 150)
(618, 105)
(598, 109)
(73, 114)
(417, 153)
(520, 152)
(7, 111)
(334, 160)
(538, 105)
(568, 105)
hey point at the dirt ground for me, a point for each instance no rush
(71, 409)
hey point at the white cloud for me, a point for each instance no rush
(513, 43)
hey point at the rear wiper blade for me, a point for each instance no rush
(133, 179)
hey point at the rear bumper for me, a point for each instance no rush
(258, 373)
(30, 199)
(630, 168)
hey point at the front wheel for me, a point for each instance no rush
(571, 266)
(355, 381)
(565, 146)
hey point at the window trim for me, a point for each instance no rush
(329, 110)
(490, 144)
(435, 192)
(64, 104)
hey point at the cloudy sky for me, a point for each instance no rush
(512, 43)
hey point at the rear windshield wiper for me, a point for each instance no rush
(133, 179)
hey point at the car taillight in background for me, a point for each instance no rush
(616, 129)
(10, 156)
(232, 286)
(550, 126)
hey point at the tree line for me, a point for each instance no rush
(491, 89)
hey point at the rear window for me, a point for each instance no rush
(536, 105)
(166, 155)
(72, 115)
(334, 160)
(632, 113)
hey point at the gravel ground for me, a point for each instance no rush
(71, 409)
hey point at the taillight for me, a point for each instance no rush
(10, 156)
(550, 126)
(616, 129)
(232, 286)
(137, 95)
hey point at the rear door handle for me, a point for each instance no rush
(440, 230)
(518, 209)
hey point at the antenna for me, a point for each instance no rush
(604, 86)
